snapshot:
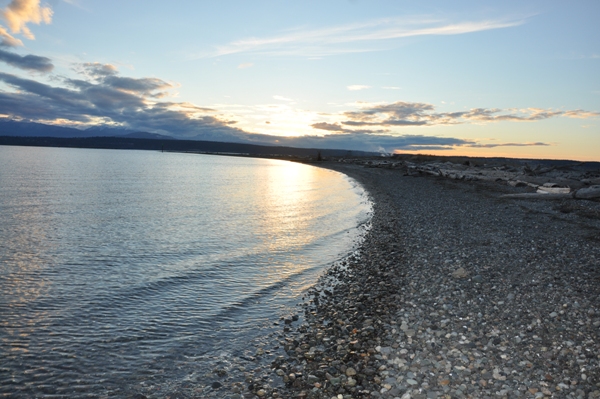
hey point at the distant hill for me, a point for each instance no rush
(145, 135)
(213, 147)
(32, 129)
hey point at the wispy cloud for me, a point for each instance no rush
(76, 3)
(245, 65)
(580, 114)
(357, 87)
(400, 113)
(494, 145)
(359, 37)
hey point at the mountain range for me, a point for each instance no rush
(31, 129)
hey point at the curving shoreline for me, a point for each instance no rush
(454, 293)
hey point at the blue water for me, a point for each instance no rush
(117, 266)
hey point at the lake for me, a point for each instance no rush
(120, 267)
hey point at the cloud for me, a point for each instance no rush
(19, 13)
(379, 142)
(106, 74)
(96, 70)
(493, 145)
(102, 96)
(75, 3)
(6, 40)
(390, 143)
(403, 113)
(357, 87)
(376, 125)
(371, 35)
(335, 127)
(28, 62)
(581, 114)
(281, 98)
(245, 65)
(349, 141)
(332, 127)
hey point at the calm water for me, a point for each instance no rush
(117, 267)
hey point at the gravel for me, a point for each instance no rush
(455, 293)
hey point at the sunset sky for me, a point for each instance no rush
(487, 78)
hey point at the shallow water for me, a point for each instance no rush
(123, 266)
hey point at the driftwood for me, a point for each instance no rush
(553, 190)
(582, 193)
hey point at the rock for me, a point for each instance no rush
(369, 371)
(517, 183)
(588, 192)
(460, 273)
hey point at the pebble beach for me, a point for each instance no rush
(455, 292)
(458, 289)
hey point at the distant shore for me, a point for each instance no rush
(455, 293)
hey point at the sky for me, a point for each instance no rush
(480, 78)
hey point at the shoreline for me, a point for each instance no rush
(455, 292)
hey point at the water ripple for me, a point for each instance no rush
(119, 267)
